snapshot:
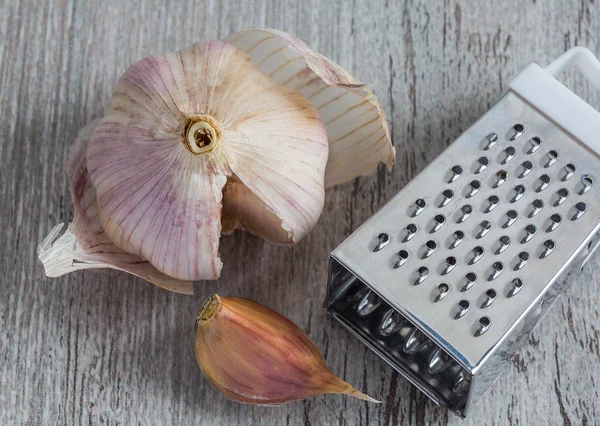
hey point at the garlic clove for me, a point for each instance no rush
(253, 354)
(357, 128)
(243, 209)
(183, 124)
(84, 245)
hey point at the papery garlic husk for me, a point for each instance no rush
(199, 139)
(84, 245)
(253, 354)
(357, 128)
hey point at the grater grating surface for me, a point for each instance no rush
(447, 280)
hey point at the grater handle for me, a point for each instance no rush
(540, 88)
(582, 59)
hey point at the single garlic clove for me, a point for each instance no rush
(242, 209)
(84, 245)
(357, 128)
(185, 127)
(253, 354)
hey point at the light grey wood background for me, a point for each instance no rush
(102, 347)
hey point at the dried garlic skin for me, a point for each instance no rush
(186, 129)
(255, 355)
(357, 128)
(84, 245)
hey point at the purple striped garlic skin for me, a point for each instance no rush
(184, 125)
(85, 245)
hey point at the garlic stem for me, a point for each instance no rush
(209, 309)
(201, 135)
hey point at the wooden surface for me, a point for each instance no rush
(102, 347)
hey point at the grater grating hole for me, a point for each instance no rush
(415, 342)
(526, 168)
(438, 361)
(560, 197)
(586, 184)
(511, 217)
(536, 207)
(474, 187)
(522, 260)
(418, 207)
(481, 165)
(476, 254)
(443, 290)
(470, 280)
(438, 221)
(580, 209)
(464, 213)
(382, 240)
(552, 156)
(457, 238)
(455, 173)
(534, 144)
(402, 258)
(449, 265)
(446, 197)
(518, 193)
(497, 269)
(569, 172)
(492, 203)
(490, 141)
(499, 178)
(423, 273)
(410, 232)
(429, 248)
(516, 132)
(490, 297)
(516, 286)
(555, 221)
(461, 383)
(391, 322)
(463, 307)
(509, 154)
(544, 181)
(368, 304)
(528, 233)
(484, 325)
(484, 228)
(503, 244)
(547, 248)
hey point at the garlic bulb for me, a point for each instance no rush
(253, 354)
(238, 134)
(85, 245)
(182, 126)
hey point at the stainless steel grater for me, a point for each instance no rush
(448, 279)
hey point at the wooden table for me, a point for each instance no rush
(102, 347)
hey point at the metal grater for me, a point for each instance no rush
(449, 278)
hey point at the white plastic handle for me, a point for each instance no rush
(582, 59)
(541, 89)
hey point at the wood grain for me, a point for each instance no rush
(103, 347)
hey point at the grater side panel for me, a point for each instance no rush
(545, 166)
